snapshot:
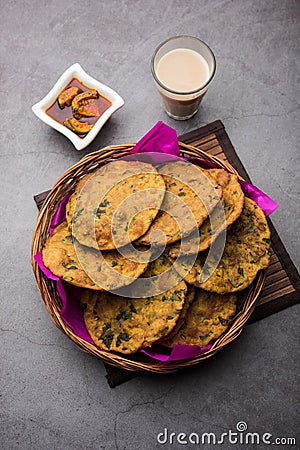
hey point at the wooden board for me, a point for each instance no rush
(282, 287)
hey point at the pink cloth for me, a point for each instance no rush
(160, 139)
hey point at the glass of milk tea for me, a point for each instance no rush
(183, 68)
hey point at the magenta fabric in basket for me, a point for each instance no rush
(160, 139)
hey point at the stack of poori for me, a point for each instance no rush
(161, 252)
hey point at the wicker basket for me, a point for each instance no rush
(51, 297)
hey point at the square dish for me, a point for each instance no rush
(76, 72)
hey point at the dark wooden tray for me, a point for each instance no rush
(282, 287)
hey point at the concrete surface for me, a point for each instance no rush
(53, 396)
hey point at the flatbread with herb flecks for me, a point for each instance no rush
(246, 252)
(59, 256)
(183, 182)
(207, 318)
(232, 202)
(127, 325)
(94, 210)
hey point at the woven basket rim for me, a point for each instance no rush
(50, 295)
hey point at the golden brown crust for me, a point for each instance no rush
(125, 324)
(207, 318)
(61, 257)
(222, 217)
(190, 295)
(92, 214)
(246, 252)
(184, 186)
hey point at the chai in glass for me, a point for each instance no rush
(183, 68)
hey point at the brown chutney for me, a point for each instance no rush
(60, 115)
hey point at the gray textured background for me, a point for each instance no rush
(53, 396)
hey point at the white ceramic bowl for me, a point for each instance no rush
(76, 71)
